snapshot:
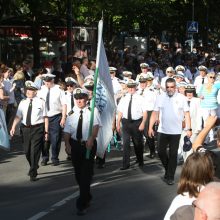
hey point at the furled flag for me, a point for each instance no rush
(104, 96)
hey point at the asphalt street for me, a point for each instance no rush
(131, 194)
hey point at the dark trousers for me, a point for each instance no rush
(169, 160)
(83, 170)
(32, 142)
(10, 114)
(150, 142)
(130, 130)
(55, 135)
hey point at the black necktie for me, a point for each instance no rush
(203, 80)
(188, 103)
(48, 99)
(28, 118)
(79, 127)
(129, 109)
(142, 91)
(72, 101)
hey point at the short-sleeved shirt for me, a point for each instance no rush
(57, 99)
(38, 110)
(171, 112)
(72, 122)
(137, 108)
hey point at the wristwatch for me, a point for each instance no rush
(190, 129)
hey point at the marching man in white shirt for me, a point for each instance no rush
(32, 114)
(132, 113)
(77, 140)
(56, 111)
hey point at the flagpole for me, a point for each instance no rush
(95, 85)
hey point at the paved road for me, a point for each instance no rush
(132, 194)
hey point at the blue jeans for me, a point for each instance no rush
(55, 135)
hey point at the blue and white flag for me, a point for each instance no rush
(104, 96)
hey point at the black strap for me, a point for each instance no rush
(48, 100)
(79, 126)
(72, 100)
(28, 118)
(188, 103)
(129, 109)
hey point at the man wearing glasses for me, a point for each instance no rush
(169, 111)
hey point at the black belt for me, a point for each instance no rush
(81, 142)
(140, 119)
(32, 126)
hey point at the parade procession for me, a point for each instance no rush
(97, 130)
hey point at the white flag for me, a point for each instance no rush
(104, 96)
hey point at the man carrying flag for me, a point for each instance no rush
(78, 140)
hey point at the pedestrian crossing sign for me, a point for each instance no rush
(192, 27)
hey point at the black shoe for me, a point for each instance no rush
(33, 178)
(68, 157)
(55, 163)
(43, 163)
(141, 164)
(152, 156)
(125, 168)
(170, 182)
(81, 212)
(100, 166)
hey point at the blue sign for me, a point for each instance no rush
(192, 26)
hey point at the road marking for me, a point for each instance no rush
(58, 204)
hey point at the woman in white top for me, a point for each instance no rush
(198, 170)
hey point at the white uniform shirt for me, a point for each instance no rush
(72, 122)
(116, 85)
(57, 99)
(68, 101)
(171, 112)
(138, 106)
(150, 95)
(198, 82)
(38, 110)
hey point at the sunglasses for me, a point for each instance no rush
(69, 85)
(169, 72)
(212, 77)
(194, 205)
(170, 87)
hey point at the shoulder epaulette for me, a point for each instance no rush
(70, 113)
(42, 99)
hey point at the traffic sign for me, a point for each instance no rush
(192, 26)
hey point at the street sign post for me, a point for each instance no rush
(192, 28)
